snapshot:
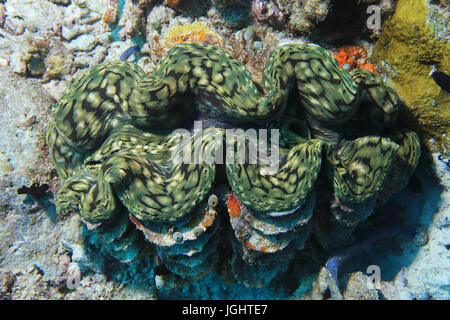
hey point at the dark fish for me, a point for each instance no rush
(129, 52)
(441, 79)
(36, 190)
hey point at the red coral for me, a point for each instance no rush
(234, 209)
(368, 66)
(354, 57)
(343, 59)
(260, 12)
(195, 36)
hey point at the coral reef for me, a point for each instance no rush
(31, 234)
(231, 230)
(123, 176)
(411, 43)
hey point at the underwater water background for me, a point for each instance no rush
(92, 95)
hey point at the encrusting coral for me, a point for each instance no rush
(191, 32)
(351, 57)
(124, 167)
(411, 45)
(194, 32)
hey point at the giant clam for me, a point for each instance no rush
(113, 139)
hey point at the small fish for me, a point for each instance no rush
(129, 52)
(161, 273)
(441, 79)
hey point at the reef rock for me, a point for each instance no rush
(123, 176)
